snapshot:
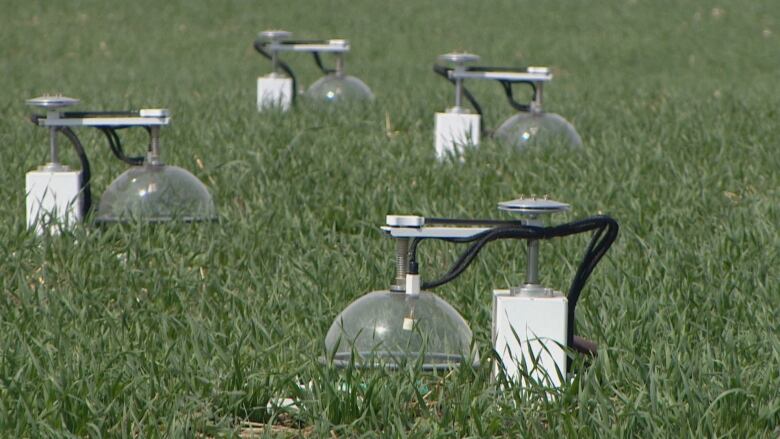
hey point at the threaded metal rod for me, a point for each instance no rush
(401, 264)
(153, 157)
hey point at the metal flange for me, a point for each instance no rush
(275, 35)
(48, 102)
(533, 206)
(458, 58)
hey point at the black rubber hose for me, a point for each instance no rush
(598, 247)
(260, 48)
(467, 257)
(115, 144)
(510, 95)
(318, 61)
(86, 173)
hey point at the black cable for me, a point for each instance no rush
(318, 61)
(467, 257)
(510, 95)
(415, 242)
(260, 48)
(86, 174)
(115, 144)
(598, 247)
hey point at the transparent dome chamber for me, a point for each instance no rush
(155, 192)
(338, 88)
(537, 128)
(390, 329)
(394, 328)
(527, 129)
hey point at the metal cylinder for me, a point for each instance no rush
(458, 92)
(536, 104)
(340, 64)
(401, 264)
(154, 145)
(53, 147)
(532, 265)
(275, 61)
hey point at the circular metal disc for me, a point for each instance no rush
(52, 102)
(275, 35)
(533, 206)
(458, 57)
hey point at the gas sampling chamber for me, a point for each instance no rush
(460, 126)
(279, 89)
(533, 326)
(150, 191)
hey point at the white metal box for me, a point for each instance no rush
(53, 197)
(455, 131)
(274, 91)
(531, 330)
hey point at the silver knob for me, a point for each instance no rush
(48, 102)
(458, 58)
(275, 35)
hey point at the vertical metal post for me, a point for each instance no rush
(154, 145)
(53, 147)
(275, 61)
(458, 92)
(340, 64)
(536, 104)
(532, 265)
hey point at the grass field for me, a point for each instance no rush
(189, 330)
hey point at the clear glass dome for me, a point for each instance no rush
(156, 193)
(537, 128)
(335, 88)
(390, 329)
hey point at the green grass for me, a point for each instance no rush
(185, 330)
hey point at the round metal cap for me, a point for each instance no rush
(52, 102)
(275, 35)
(533, 206)
(458, 58)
